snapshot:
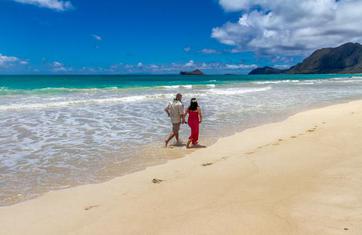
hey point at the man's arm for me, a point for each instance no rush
(167, 110)
(182, 113)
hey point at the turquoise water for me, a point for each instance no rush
(60, 131)
(48, 83)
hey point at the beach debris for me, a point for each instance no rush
(207, 164)
(156, 181)
(90, 207)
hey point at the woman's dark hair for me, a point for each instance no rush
(193, 104)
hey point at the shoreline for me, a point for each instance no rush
(250, 181)
(177, 152)
(51, 149)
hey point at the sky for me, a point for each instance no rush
(163, 36)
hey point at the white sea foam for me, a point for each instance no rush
(173, 87)
(277, 82)
(237, 91)
(72, 103)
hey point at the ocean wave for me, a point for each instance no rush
(50, 90)
(74, 102)
(350, 80)
(306, 83)
(276, 82)
(173, 87)
(237, 91)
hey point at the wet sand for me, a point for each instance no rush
(299, 176)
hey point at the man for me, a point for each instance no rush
(175, 110)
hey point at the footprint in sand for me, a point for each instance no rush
(293, 137)
(280, 140)
(249, 153)
(156, 181)
(90, 207)
(207, 164)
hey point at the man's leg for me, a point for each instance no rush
(176, 136)
(172, 134)
(176, 129)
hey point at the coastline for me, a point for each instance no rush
(51, 143)
(249, 182)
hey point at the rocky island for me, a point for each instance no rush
(346, 58)
(195, 72)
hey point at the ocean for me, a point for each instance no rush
(61, 131)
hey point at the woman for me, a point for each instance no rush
(194, 120)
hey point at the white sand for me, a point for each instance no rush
(299, 176)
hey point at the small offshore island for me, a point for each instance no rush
(346, 58)
(197, 72)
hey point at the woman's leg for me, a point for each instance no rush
(195, 134)
(191, 135)
(188, 144)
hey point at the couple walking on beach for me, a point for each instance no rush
(175, 110)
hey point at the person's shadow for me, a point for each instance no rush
(198, 146)
(177, 145)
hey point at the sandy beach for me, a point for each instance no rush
(299, 176)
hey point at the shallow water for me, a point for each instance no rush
(61, 131)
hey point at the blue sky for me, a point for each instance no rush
(163, 36)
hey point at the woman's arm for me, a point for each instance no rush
(200, 114)
(185, 115)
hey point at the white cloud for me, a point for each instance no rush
(171, 68)
(58, 5)
(282, 66)
(209, 51)
(6, 61)
(291, 27)
(190, 63)
(187, 49)
(59, 67)
(140, 65)
(97, 37)
(241, 66)
(154, 66)
(213, 67)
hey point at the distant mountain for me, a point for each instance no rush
(195, 72)
(266, 70)
(346, 58)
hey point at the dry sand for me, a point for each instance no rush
(299, 176)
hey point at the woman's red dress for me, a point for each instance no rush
(194, 123)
